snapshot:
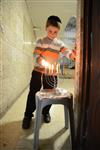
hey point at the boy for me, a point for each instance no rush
(46, 57)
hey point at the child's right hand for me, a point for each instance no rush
(73, 55)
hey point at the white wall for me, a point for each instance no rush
(16, 38)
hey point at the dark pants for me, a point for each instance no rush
(37, 80)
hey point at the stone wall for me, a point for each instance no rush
(16, 46)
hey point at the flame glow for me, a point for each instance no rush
(45, 63)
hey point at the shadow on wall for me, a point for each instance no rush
(70, 39)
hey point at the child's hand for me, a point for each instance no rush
(63, 50)
(73, 55)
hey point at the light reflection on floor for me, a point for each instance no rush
(53, 136)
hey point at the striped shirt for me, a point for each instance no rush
(46, 55)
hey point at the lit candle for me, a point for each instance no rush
(46, 65)
(57, 68)
(45, 69)
(49, 68)
(52, 68)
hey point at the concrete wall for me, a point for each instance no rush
(16, 46)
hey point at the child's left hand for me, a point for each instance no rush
(63, 50)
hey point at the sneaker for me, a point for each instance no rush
(26, 122)
(47, 118)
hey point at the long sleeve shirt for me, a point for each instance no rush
(46, 55)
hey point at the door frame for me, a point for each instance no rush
(83, 69)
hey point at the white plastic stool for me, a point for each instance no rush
(54, 96)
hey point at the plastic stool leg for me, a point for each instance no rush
(72, 127)
(37, 127)
(66, 116)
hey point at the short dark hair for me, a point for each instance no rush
(54, 21)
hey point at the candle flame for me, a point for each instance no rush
(49, 67)
(45, 63)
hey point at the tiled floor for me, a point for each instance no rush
(53, 136)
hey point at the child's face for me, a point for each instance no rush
(52, 31)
